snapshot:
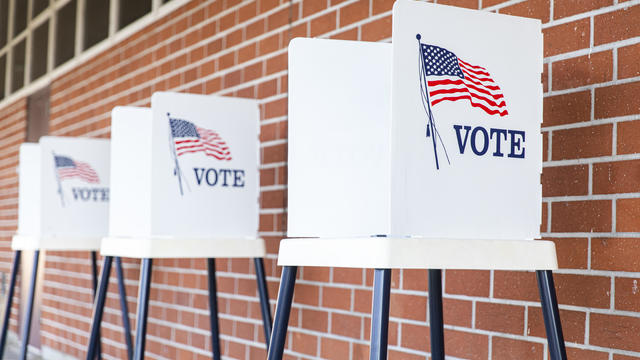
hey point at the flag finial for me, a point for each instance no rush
(418, 36)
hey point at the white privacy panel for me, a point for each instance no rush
(339, 138)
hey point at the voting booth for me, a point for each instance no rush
(425, 153)
(63, 204)
(185, 179)
(63, 199)
(185, 184)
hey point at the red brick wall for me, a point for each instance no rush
(591, 187)
(12, 133)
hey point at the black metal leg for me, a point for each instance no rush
(94, 281)
(435, 314)
(380, 314)
(264, 299)
(124, 308)
(551, 315)
(143, 308)
(283, 310)
(213, 309)
(27, 321)
(98, 308)
(9, 303)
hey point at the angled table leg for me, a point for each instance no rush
(94, 280)
(264, 299)
(551, 315)
(124, 308)
(98, 308)
(283, 310)
(380, 314)
(436, 327)
(26, 330)
(213, 309)
(9, 303)
(143, 308)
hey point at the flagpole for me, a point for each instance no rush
(426, 92)
(55, 171)
(172, 145)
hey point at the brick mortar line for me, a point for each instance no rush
(66, 314)
(205, 332)
(9, 176)
(69, 274)
(274, 120)
(274, 165)
(12, 164)
(67, 260)
(66, 328)
(503, 5)
(594, 160)
(593, 122)
(62, 340)
(181, 346)
(70, 301)
(9, 161)
(17, 124)
(617, 196)
(592, 88)
(12, 117)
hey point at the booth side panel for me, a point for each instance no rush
(29, 209)
(339, 138)
(130, 195)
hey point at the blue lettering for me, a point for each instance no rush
(516, 137)
(225, 172)
(485, 144)
(91, 194)
(221, 177)
(199, 177)
(462, 144)
(238, 178)
(209, 171)
(498, 132)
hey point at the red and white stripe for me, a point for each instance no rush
(82, 171)
(478, 87)
(210, 143)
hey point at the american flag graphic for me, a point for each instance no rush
(68, 168)
(189, 138)
(460, 80)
